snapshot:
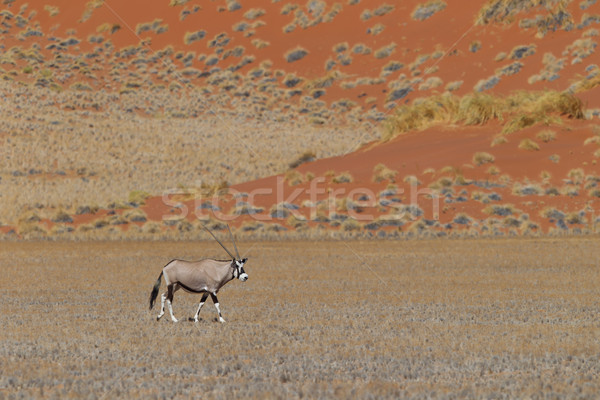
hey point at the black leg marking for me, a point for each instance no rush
(216, 301)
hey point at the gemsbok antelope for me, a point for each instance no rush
(205, 276)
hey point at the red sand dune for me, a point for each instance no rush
(448, 47)
(445, 41)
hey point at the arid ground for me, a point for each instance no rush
(500, 318)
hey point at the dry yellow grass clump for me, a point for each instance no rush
(482, 157)
(528, 144)
(382, 173)
(510, 314)
(546, 135)
(521, 109)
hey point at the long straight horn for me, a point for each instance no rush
(234, 245)
(218, 241)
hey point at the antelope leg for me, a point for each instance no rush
(162, 305)
(169, 300)
(216, 301)
(202, 300)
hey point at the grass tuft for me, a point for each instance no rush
(546, 135)
(307, 156)
(482, 157)
(344, 177)
(523, 109)
(529, 145)
(382, 173)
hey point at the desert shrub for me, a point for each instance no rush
(487, 83)
(493, 170)
(529, 145)
(420, 115)
(498, 140)
(376, 29)
(138, 197)
(296, 221)
(252, 226)
(411, 180)
(296, 54)
(385, 51)
(594, 192)
(117, 220)
(135, 215)
(527, 190)
(254, 13)
(546, 135)
(511, 222)
(293, 177)
(462, 219)
(545, 175)
(81, 86)
(29, 217)
(552, 213)
(61, 216)
(390, 190)
(243, 208)
(351, 225)
(475, 46)
(426, 10)
(52, 10)
(61, 230)
(86, 210)
(411, 210)
(444, 182)
(344, 177)
(260, 44)
(574, 218)
(453, 86)
(101, 223)
(382, 173)
(570, 190)
(281, 210)
(348, 204)
(503, 10)
(576, 175)
(383, 10)
(307, 156)
(31, 230)
(341, 47)
(501, 210)
(533, 108)
(361, 48)
(152, 227)
(522, 51)
(479, 108)
(482, 157)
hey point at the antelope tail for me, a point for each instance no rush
(154, 293)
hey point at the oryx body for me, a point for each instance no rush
(206, 276)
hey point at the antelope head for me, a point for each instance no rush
(237, 262)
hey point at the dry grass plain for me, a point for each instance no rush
(497, 318)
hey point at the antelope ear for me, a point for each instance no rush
(244, 260)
